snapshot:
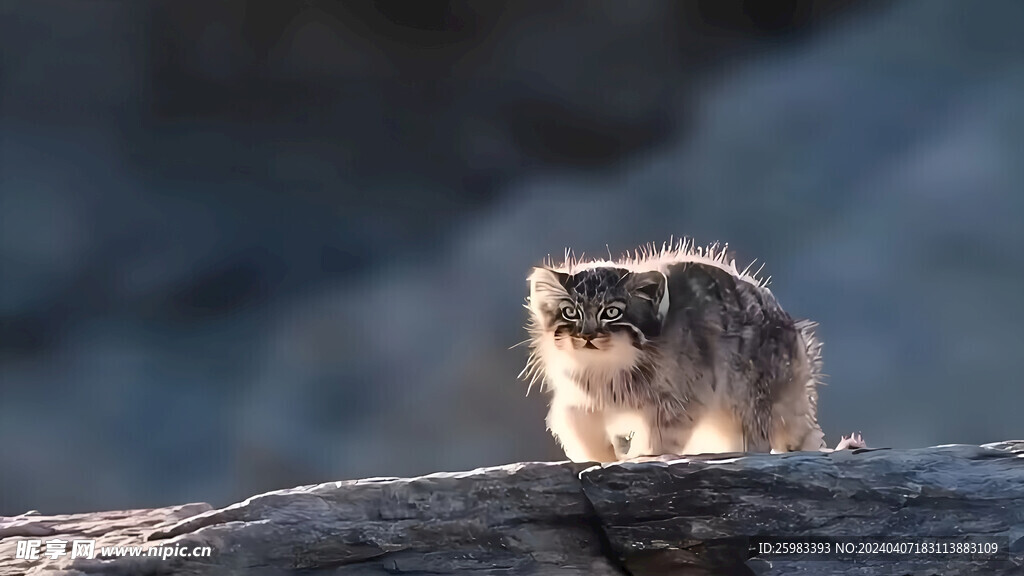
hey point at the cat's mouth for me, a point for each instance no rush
(588, 343)
(598, 343)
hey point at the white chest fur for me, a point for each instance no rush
(591, 427)
(583, 417)
(568, 368)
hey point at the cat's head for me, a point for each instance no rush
(597, 307)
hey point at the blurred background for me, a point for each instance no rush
(248, 245)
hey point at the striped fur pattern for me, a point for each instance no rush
(670, 350)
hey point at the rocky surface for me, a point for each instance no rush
(660, 516)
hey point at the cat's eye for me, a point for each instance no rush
(611, 313)
(569, 312)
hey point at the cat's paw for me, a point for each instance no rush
(851, 442)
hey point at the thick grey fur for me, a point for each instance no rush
(713, 341)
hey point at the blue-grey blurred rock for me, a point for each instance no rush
(244, 249)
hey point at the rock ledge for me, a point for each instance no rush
(726, 514)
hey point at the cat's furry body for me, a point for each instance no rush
(696, 357)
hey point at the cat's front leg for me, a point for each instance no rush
(580, 432)
(630, 431)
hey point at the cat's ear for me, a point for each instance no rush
(648, 285)
(547, 283)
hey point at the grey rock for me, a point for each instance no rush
(529, 518)
(111, 528)
(708, 516)
(701, 515)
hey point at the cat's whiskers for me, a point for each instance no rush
(518, 344)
